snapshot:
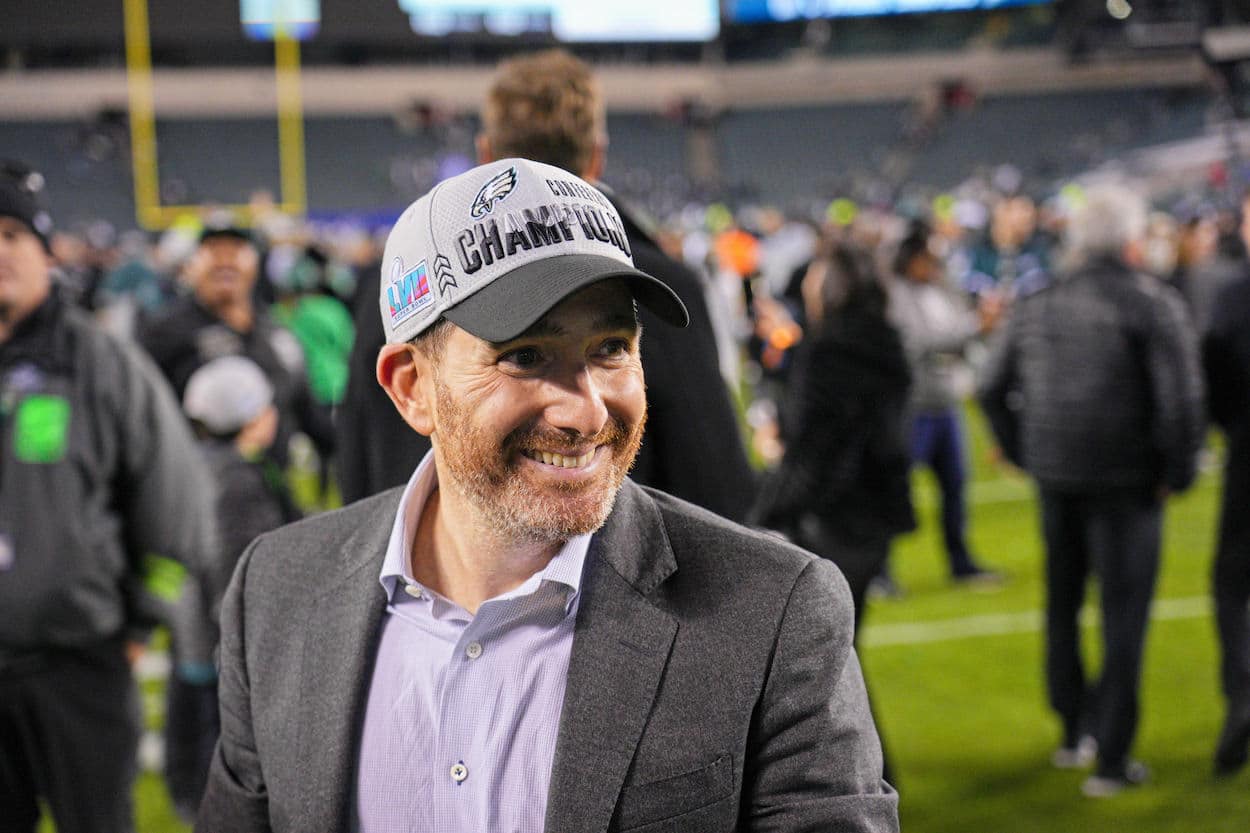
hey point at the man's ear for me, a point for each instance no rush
(598, 161)
(405, 373)
(485, 153)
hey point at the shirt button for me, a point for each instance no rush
(459, 772)
(473, 650)
(412, 590)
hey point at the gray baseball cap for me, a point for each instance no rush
(226, 394)
(496, 247)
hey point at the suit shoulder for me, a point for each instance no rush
(701, 538)
(319, 542)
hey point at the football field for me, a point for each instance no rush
(956, 676)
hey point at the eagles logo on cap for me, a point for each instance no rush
(496, 189)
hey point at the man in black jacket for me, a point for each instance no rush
(375, 448)
(1096, 390)
(1226, 362)
(547, 106)
(222, 318)
(98, 476)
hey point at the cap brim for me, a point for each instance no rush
(228, 231)
(514, 301)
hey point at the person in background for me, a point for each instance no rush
(223, 318)
(1206, 262)
(842, 489)
(938, 327)
(230, 402)
(548, 107)
(309, 307)
(99, 482)
(1226, 363)
(1013, 257)
(1095, 389)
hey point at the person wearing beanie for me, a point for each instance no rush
(522, 638)
(100, 487)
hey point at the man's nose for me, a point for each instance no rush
(577, 402)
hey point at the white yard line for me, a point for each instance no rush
(1003, 624)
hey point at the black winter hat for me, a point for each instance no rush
(21, 197)
(916, 242)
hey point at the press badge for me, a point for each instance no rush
(41, 429)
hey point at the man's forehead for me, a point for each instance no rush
(12, 223)
(223, 242)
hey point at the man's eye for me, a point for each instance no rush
(522, 357)
(614, 347)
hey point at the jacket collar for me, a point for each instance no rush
(35, 338)
(621, 646)
(340, 634)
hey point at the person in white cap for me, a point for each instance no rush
(522, 639)
(230, 401)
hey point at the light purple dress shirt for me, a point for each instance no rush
(462, 715)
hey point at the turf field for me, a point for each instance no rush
(956, 677)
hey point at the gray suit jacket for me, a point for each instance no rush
(712, 684)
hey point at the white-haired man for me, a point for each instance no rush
(1095, 389)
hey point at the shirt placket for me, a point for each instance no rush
(463, 772)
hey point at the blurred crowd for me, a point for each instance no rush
(844, 345)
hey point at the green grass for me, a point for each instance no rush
(965, 719)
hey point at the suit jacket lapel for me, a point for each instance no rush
(620, 648)
(340, 640)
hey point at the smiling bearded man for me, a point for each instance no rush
(508, 479)
(522, 639)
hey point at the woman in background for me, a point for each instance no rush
(842, 488)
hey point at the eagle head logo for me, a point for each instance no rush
(496, 189)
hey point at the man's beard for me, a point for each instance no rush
(487, 472)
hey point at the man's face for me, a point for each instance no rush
(223, 271)
(924, 268)
(537, 433)
(25, 271)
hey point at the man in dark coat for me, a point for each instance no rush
(222, 318)
(1096, 391)
(375, 448)
(1226, 361)
(547, 106)
(100, 483)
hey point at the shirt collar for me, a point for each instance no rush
(564, 568)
